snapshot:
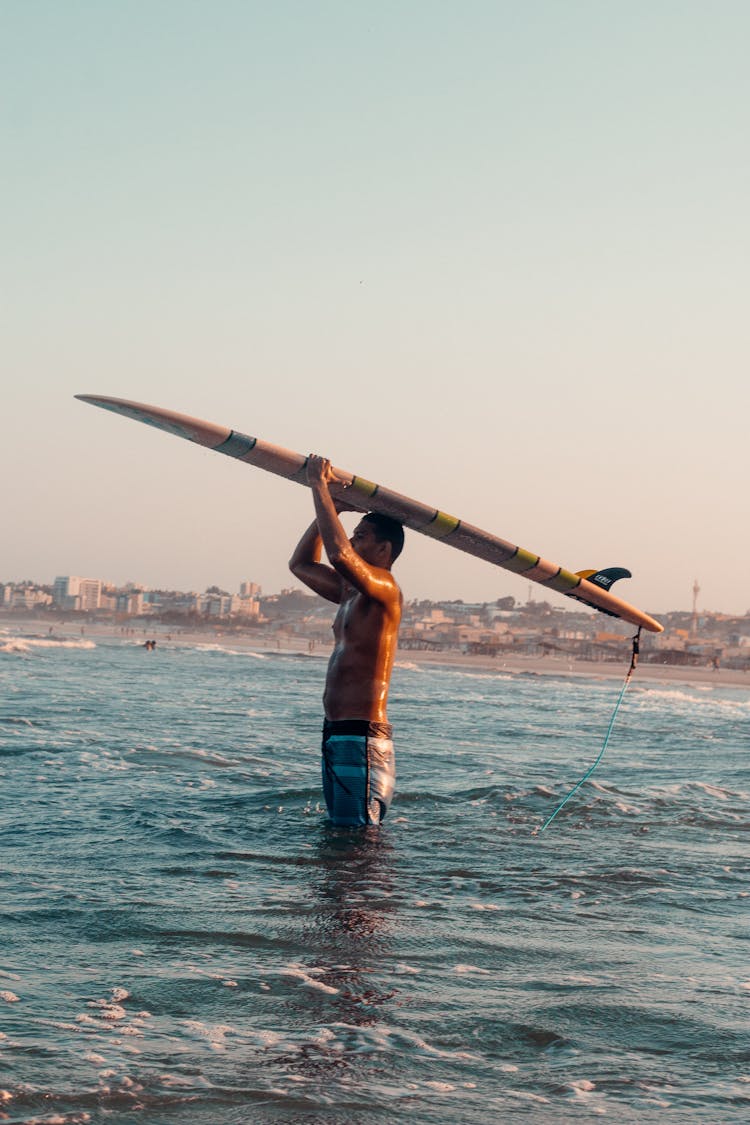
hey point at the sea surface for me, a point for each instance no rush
(184, 938)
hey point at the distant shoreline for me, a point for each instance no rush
(289, 644)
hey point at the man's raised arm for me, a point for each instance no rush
(374, 581)
(305, 564)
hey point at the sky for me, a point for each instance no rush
(495, 256)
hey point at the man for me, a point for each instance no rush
(358, 761)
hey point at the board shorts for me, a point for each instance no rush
(359, 770)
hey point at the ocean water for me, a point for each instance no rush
(185, 939)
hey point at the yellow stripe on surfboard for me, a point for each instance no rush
(521, 561)
(441, 526)
(565, 581)
(366, 487)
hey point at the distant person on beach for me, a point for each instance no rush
(358, 762)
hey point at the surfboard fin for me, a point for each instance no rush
(604, 578)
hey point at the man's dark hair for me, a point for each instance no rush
(386, 530)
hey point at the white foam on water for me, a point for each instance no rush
(178, 1081)
(223, 650)
(60, 1119)
(678, 789)
(90, 1023)
(582, 1087)
(206, 972)
(544, 791)
(308, 980)
(108, 1010)
(524, 1095)
(215, 1034)
(268, 1038)
(359, 1039)
(465, 675)
(29, 644)
(706, 701)
(18, 647)
(713, 790)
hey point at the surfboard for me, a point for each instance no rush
(589, 586)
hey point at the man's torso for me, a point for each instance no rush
(365, 638)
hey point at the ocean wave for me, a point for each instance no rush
(680, 789)
(703, 697)
(26, 645)
(224, 651)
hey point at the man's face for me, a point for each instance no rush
(366, 545)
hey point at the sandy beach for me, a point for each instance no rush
(293, 644)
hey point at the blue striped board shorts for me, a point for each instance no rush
(359, 770)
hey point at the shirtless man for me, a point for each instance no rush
(358, 761)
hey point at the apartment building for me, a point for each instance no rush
(72, 592)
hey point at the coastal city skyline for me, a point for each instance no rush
(498, 629)
(82, 593)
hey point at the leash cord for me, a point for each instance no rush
(590, 770)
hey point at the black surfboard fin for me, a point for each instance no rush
(604, 578)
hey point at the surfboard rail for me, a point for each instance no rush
(367, 496)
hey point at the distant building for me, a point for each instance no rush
(72, 592)
(25, 595)
(247, 607)
(215, 605)
(249, 590)
(130, 602)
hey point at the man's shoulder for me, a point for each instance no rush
(388, 578)
(395, 599)
(388, 586)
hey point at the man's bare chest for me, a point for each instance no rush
(357, 616)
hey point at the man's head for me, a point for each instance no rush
(378, 539)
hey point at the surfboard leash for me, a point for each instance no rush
(633, 663)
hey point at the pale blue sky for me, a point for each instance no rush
(493, 255)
